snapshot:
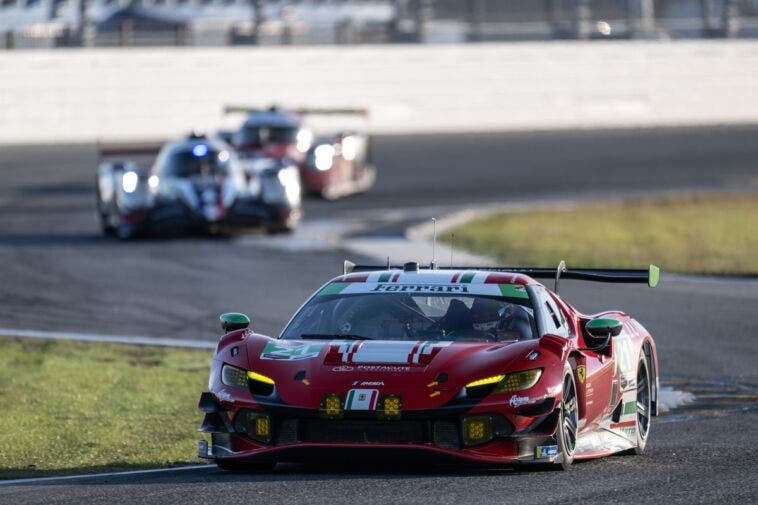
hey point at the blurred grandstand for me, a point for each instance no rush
(103, 23)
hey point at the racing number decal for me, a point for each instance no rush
(625, 359)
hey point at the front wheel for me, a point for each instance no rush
(568, 425)
(644, 403)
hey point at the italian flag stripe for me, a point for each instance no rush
(349, 401)
(333, 288)
(384, 277)
(466, 278)
(627, 424)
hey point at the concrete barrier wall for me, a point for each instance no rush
(81, 95)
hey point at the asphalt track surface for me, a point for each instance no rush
(59, 274)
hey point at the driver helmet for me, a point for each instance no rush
(488, 314)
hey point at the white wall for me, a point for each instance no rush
(81, 95)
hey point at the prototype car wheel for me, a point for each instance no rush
(241, 466)
(105, 227)
(644, 403)
(569, 421)
(125, 231)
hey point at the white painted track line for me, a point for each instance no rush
(37, 480)
(111, 339)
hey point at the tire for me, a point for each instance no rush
(242, 466)
(106, 229)
(644, 403)
(280, 229)
(125, 231)
(568, 423)
(102, 217)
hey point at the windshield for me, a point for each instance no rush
(261, 136)
(196, 162)
(406, 316)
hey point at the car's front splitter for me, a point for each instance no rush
(499, 452)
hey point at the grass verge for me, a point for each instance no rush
(72, 407)
(714, 234)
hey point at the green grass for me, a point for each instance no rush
(70, 407)
(694, 234)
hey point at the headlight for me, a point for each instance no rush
(129, 181)
(304, 140)
(324, 155)
(349, 148)
(290, 179)
(288, 176)
(153, 182)
(505, 383)
(238, 378)
(234, 377)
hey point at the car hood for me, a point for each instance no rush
(426, 374)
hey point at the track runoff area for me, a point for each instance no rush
(53, 260)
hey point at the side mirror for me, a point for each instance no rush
(600, 331)
(232, 321)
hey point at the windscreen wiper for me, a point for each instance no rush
(337, 336)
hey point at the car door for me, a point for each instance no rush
(594, 371)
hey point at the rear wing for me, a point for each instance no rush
(130, 149)
(302, 111)
(651, 276)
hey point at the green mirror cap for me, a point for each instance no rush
(653, 276)
(604, 325)
(234, 321)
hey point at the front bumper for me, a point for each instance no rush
(300, 435)
(175, 217)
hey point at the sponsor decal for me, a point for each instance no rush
(517, 401)
(545, 451)
(533, 355)
(371, 368)
(421, 288)
(368, 383)
(382, 368)
(581, 373)
(361, 399)
(291, 350)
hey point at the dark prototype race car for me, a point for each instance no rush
(476, 364)
(195, 184)
(330, 166)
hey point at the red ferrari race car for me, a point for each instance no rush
(476, 364)
(330, 166)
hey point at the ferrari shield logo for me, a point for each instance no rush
(581, 373)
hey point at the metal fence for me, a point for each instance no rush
(66, 23)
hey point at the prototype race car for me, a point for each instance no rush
(476, 364)
(195, 184)
(330, 166)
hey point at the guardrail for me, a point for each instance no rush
(83, 95)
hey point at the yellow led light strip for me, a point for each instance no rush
(260, 378)
(487, 380)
